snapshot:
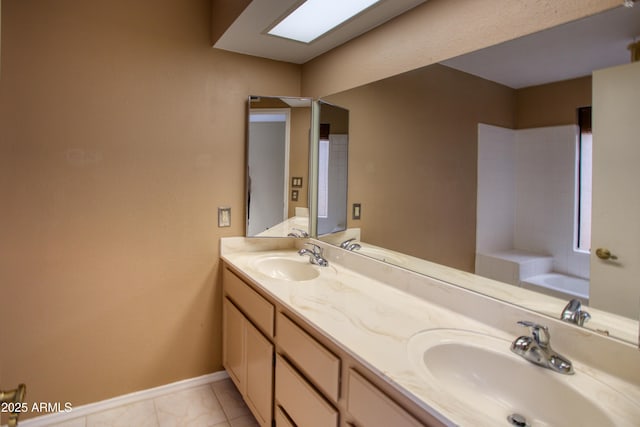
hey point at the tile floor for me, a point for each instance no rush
(218, 404)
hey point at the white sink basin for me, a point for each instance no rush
(287, 268)
(480, 372)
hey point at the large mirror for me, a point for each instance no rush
(278, 130)
(481, 163)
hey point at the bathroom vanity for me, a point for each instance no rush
(316, 382)
(363, 343)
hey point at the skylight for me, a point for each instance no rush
(314, 18)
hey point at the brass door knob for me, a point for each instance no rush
(604, 253)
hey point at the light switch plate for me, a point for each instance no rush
(355, 214)
(224, 217)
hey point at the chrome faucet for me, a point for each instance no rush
(350, 245)
(573, 313)
(315, 255)
(537, 349)
(296, 232)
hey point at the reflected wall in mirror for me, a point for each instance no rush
(277, 166)
(333, 149)
(417, 169)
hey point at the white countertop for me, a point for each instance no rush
(374, 321)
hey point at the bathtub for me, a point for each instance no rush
(559, 285)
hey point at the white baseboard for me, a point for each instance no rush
(92, 408)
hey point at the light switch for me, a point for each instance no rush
(224, 217)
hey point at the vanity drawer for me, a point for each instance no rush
(318, 364)
(298, 398)
(372, 408)
(282, 420)
(255, 307)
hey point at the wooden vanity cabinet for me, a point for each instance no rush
(247, 354)
(290, 375)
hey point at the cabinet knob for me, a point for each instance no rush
(604, 253)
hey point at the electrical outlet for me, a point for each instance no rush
(355, 213)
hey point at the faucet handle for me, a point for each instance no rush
(317, 250)
(572, 306)
(344, 244)
(573, 313)
(539, 332)
(300, 232)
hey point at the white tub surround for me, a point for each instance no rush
(371, 310)
(531, 271)
(512, 266)
(526, 195)
(559, 285)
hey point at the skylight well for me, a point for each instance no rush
(313, 18)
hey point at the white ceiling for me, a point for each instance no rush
(564, 52)
(248, 33)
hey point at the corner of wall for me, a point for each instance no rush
(223, 13)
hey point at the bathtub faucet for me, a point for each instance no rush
(573, 313)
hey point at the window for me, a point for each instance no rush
(323, 179)
(584, 159)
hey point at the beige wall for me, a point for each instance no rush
(435, 31)
(299, 155)
(552, 104)
(412, 159)
(121, 132)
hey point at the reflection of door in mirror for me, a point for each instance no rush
(277, 166)
(616, 199)
(333, 147)
(267, 169)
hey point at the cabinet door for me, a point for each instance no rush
(259, 359)
(233, 342)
